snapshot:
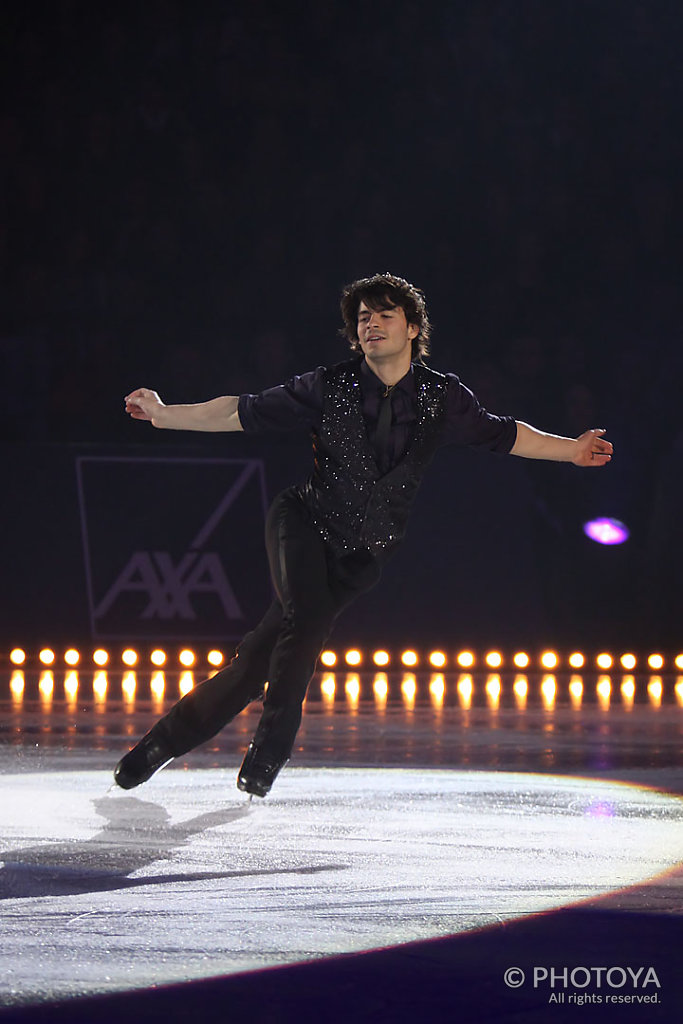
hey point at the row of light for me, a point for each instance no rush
(494, 687)
(494, 659)
(187, 658)
(352, 687)
(129, 657)
(46, 684)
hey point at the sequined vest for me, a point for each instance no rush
(351, 503)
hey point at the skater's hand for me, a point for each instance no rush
(143, 404)
(592, 449)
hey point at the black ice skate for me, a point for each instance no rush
(140, 763)
(258, 772)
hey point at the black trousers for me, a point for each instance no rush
(311, 588)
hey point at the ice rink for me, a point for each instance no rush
(410, 839)
(110, 891)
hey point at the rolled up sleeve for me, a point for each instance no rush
(467, 422)
(296, 405)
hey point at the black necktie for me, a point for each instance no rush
(383, 434)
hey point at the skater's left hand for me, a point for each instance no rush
(592, 449)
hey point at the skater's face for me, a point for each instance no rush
(385, 333)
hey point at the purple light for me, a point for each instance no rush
(606, 531)
(600, 809)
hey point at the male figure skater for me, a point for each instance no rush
(376, 421)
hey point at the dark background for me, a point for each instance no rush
(186, 188)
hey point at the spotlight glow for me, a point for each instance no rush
(187, 658)
(654, 691)
(17, 656)
(72, 657)
(380, 688)
(185, 683)
(328, 686)
(328, 659)
(352, 688)
(521, 686)
(437, 659)
(409, 658)
(549, 659)
(604, 660)
(494, 659)
(548, 691)
(521, 659)
(576, 691)
(465, 690)
(606, 531)
(465, 659)
(128, 687)
(628, 661)
(46, 685)
(409, 689)
(47, 656)
(99, 686)
(437, 689)
(157, 685)
(16, 684)
(353, 657)
(215, 658)
(71, 685)
(100, 657)
(158, 657)
(381, 658)
(604, 691)
(656, 661)
(493, 688)
(577, 660)
(129, 657)
(520, 689)
(628, 691)
(679, 661)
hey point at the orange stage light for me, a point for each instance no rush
(549, 659)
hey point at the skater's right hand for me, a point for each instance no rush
(143, 404)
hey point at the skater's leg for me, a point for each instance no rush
(299, 569)
(310, 598)
(204, 711)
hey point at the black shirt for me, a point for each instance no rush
(298, 405)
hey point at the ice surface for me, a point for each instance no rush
(186, 878)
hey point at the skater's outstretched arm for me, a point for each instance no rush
(590, 449)
(217, 414)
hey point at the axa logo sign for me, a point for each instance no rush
(173, 546)
(169, 587)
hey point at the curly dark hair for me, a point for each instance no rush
(386, 291)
